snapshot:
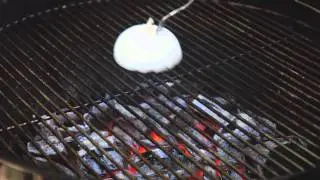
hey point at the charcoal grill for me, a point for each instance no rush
(243, 104)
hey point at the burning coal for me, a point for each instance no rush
(162, 131)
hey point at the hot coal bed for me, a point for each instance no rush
(201, 137)
(243, 104)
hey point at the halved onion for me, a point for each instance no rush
(144, 49)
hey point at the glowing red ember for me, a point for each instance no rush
(218, 163)
(132, 170)
(156, 137)
(199, 174)
(200, 126)
(184, 149)
(140, 149)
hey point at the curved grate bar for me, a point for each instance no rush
(243, 104)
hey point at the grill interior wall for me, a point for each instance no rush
(268, 71)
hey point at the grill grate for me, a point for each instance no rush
(63, 97)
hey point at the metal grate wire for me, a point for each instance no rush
(267, 67)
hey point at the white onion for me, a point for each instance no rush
(144, 49)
